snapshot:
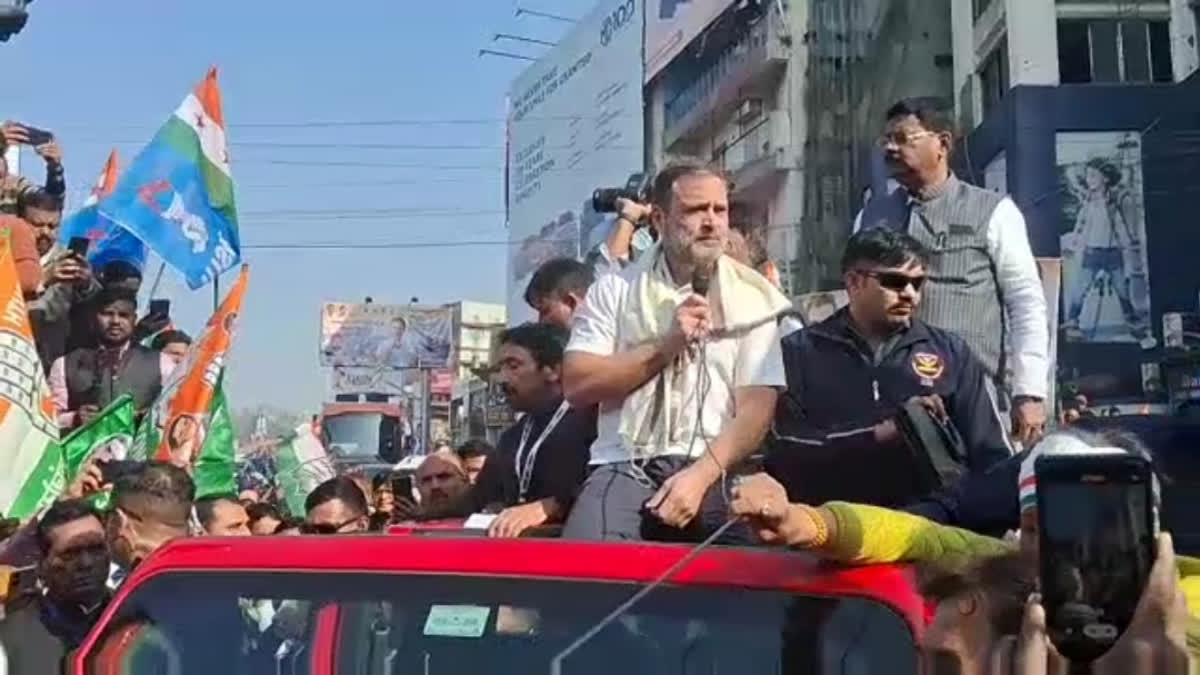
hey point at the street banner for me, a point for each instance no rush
(109, 242)
(176, 426)
(32, 473)
(301, 464)
(575, 124)
(177, 195)
(370, 335)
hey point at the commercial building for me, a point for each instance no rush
(788, 97)
(1086, 113)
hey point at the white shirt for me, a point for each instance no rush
(1024, 299)
(749, 359)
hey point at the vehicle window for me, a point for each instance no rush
(355, 623)
(353, 434)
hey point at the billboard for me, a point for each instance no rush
(1102, 223)
(672, 24)
(369, 335)
(574, 124)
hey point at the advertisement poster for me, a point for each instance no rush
(671, 25)
(351, 380)
(1106, 283)
(386, 336)
(574, 125)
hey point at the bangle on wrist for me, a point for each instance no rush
(822, 531)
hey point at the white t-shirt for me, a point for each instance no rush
(749, 359)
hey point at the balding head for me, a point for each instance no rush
(441, 480)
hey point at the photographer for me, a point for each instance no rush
(631, 235)
(13, 187)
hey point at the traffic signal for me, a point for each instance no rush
(12, 17)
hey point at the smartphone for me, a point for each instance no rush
(114, 469)
(160, 307)
(79, 246)
(402, 486)
(37, 136)
(1098, 525)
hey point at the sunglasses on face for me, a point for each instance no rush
(896, 281)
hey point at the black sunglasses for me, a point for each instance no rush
(896, 281)
(326, 528)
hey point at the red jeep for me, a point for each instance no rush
(428, 605)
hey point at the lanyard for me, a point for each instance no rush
(525, 468)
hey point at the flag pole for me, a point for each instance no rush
(216, 292)
(157, 278)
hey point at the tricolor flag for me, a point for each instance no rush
(109, 241)
(31, 463)
(177, 195)
(177, 424)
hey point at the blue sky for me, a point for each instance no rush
(107, 74)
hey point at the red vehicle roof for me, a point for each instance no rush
(540, 558)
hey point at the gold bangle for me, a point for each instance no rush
(822, 536)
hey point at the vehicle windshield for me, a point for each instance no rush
(357, 434)
(226, 623)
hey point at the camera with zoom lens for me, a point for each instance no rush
(637, 188)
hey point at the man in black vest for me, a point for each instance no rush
(983, 280)
(88, 378)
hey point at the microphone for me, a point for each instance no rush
(702, 279)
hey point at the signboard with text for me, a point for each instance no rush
(574, 124)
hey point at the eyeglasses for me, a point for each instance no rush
(327, 528)
(901, 138)
(896, 281)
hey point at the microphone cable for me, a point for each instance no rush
(557, 661)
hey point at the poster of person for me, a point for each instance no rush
(1106, 283)
(370, 335)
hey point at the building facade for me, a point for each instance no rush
(788, 98)
(1086, 113)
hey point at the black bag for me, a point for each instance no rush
(939, 453)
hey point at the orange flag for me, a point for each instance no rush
(178, 421)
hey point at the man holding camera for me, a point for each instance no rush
(681, 352)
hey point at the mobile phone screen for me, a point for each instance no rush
(1096, 548)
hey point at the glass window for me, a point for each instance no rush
(1106, 65)
(1160, 51)
(208, 623)
(993, 77)
(1074, 55)
(1135, 50)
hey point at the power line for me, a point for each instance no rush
(357, 213)
(389, 245)
(400, 122)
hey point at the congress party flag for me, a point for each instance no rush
(177, 195)
(109, 241)
(177, 424)
(215, 468)
(32, 473)
(110, 431)
(301, 464)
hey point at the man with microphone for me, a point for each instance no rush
(681, 352)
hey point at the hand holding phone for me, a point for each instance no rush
(78, 246)
(36, 137)
(1098, 525)
(160, 307)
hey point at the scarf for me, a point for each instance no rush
(741, 299)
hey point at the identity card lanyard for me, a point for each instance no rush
(525, 468)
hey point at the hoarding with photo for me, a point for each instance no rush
(370, 335)
(1106, 280)
(672, 24)
(574, 125)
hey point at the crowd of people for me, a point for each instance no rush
(667, 390)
